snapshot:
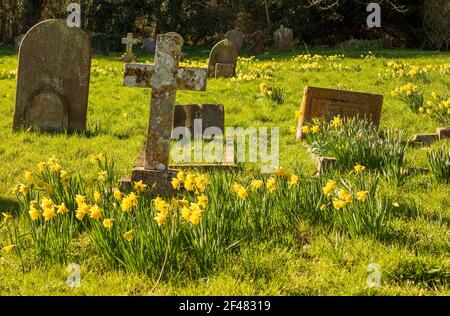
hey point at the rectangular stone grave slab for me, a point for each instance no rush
(328, 103)
(212, 115)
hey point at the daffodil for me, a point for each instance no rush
(181, 176)
(161, 218)
(293, 180)
(358, 169)
(34, 213)
(336, 122)
(42, 166)
(256, 184)
(102, 175)
(271, 185)
(6, 217)
(329, 188)
(129, 235)
(23, 189)
(79, 199)
(108, 223)
(97, 196)
(46, 203)
(176, 184)
(362, 196)
(186, 213)
(62, 209)
(8, 249)
(338, 204)
(49, 213)
(28, 176)
(139, 186)
(305, 129)
(315, 129)
(65, 177)
(117, 194)
(96, 212)
(202, 200)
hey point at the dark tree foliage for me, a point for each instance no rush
(404, 23)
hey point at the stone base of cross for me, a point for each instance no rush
(165, 77)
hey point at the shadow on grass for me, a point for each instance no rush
(9, 205)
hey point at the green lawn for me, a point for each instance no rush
(305, 259)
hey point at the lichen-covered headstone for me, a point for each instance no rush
(283, 38)
(236, 37)
(53, 78)
(223, 52)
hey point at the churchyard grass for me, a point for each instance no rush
(309, 236)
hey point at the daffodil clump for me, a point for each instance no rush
(405, 72)
(250, 69)
(272, 93)
(438, 107)
(97, 70)
(8, 74)
(409, 94)
(439, 162)
(353, 141)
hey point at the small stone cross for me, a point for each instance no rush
(164, 77)
(129, 41)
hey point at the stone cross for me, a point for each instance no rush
(165, 77)
(129, 41)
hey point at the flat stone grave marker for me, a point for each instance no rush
(165, 77)
(212, 115)
(128, 56)
(225, 54)
(283, 38)
(236, 37)
(53, 78)
(328, 103)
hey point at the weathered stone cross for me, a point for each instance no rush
(165, 77)
(129, 41)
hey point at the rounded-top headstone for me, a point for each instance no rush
(236, 37)
(53, 57)
(258, 40)
(223, 52)
(283, 38)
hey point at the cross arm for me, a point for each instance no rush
(188, 78)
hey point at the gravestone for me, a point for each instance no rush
(226, 53)
(128, 56)
(329, 103)
(100, 44)
(236, 37)
(258, 39)
(212, 115)
(283, 38)
(53, 78)
(165, 77)
(18, 41)
(149, 45)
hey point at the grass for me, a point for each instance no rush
(310, 256)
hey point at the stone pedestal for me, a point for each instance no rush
(158, 182)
